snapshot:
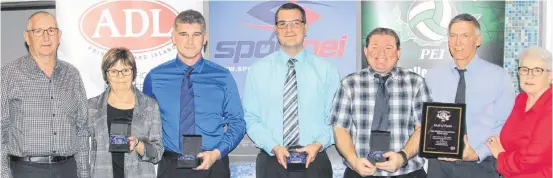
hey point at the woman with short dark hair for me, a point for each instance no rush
(124, 123)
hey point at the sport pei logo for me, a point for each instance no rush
(141, 26)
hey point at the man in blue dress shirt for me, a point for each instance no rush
(287, 101)
(486, 90)
(196, 97)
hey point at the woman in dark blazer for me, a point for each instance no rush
(122, 101)
(523, 149)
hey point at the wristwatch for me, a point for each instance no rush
(404, 156)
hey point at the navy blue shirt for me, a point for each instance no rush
(216, 99)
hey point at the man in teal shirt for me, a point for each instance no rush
(287, 101)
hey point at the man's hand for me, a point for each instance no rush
(468, 153)
(281, 153)
(395, 161)
(494, 144)
(363, 167)
(311, 150)
(208, 158)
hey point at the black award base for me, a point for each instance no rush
(188, 162)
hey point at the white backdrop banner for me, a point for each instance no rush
(90, 28)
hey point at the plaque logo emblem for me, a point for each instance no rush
(443, 115)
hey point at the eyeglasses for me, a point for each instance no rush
(40, 32)
(536, 71)
(284, 24)
(115, 73)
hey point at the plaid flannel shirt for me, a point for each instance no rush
(353, 109)
(43, 116)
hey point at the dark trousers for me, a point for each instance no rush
(268, 167)
(167, 168)
(66, 169)
(439, 169)
(350, 173)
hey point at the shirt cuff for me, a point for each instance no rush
(482, 153)
(223, 148)
(269, 150)
(499, 165)
(324, 142)
(149, 152)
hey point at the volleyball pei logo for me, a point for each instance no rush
(428, 21)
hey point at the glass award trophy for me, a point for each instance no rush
(191, 147)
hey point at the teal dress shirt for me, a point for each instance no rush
(317, 82)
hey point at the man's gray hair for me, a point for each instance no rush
(39, 13)
(535, 52)
(465, 18)
(190, 17)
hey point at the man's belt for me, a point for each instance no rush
(42, 159)
(171, 155)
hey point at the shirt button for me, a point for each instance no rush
(53, 115)
(50, 81)
(55, 133)
(51, 97)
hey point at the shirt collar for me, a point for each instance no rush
(393, 73)
(300, 57)
(198, 66)
(545, 96)
(30, 63)
(473, 65)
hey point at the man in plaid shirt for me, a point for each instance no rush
(381, 104)
(44, 110)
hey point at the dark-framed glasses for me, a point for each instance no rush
(115, 72)
(39, 31)
(294, 23)
(536, 71)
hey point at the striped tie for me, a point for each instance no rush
(187, 120)
(291, 124)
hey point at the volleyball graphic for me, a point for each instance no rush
(428, 19)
